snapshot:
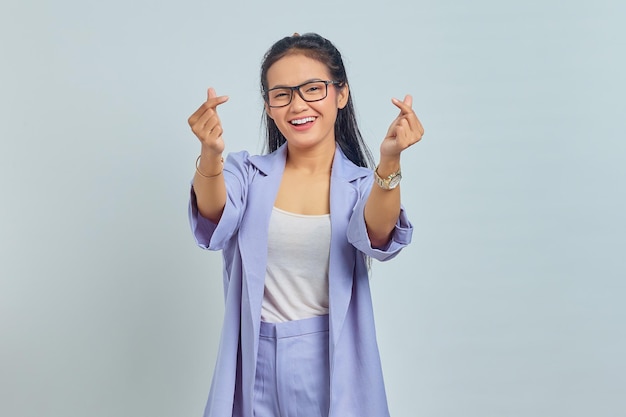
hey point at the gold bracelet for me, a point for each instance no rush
(208, 176)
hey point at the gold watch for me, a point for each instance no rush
(390, 182)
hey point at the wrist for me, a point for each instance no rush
(388, 176)
(209, 166)
(388, 165)
(210, 154)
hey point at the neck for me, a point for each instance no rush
(311, 161)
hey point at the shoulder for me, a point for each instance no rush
(246, 166)
(237, 158)
(237, 164)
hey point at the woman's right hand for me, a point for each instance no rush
(208, 184)
(206, 125)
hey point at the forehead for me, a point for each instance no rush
(294, 69)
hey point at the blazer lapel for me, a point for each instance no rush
(343, 198)
(263, 188)
(253, 234)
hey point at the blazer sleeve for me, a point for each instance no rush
(357, 230)
(215, 236)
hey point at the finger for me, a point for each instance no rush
(217, 131)
(213, 100)
(420, 128)
(400, 132)
(211, 124)
(203, 129)
(207, 109)
(208, 136)
(203, 110)
(404, 130)
(404, 107)
(201, 115)
(193, 119)
(200, 118)
(204, 117)
(414, 121)
(396, 131)
(406, 112)
(414, 124)
(406, 136)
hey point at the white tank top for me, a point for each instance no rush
(296, 278)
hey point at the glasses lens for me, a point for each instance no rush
(279, 97)
(313, 91)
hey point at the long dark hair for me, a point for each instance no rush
(347, 134)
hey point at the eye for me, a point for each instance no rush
(278, 94)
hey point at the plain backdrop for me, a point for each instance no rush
(509, 302)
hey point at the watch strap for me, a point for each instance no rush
(385, 183)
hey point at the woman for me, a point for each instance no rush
(296, 227)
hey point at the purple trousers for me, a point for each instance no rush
(292, 376)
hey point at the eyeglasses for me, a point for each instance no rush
(309, 91)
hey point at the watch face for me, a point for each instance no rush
(390, 182)
(393, 183)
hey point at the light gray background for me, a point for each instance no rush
(510, 302)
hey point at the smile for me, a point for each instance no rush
(302, 121)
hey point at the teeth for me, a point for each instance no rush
(302, 121)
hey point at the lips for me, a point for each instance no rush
(302, 121)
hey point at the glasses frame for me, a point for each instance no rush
(297, 88)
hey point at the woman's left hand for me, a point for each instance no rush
(404, 131)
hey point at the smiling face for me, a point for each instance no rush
(305, 125)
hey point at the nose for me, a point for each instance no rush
(297, 102)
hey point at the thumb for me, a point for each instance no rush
(211, 93)
(408, 100)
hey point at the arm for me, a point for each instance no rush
(383, 206)
(208, 182)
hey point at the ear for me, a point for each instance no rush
(342, 96)
(268, 111)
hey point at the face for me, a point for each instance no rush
(305, 125)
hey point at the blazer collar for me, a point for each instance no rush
(269, 163)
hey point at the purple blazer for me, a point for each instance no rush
(356, 380)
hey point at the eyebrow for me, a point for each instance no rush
(310, 80)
